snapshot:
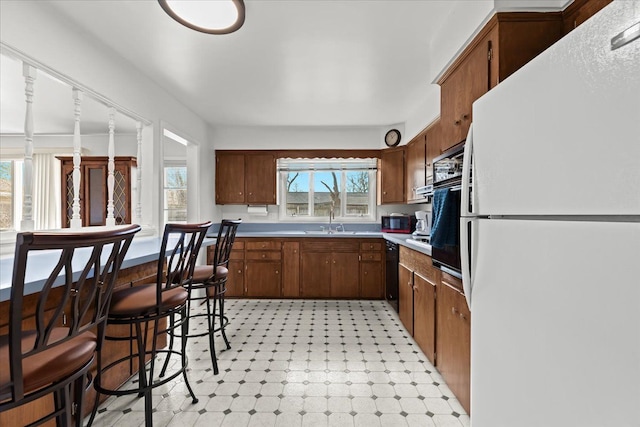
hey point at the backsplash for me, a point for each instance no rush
(241, 211)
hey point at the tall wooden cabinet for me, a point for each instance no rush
(245, 177)
(94, 173)
(392, 176)
(505, 43)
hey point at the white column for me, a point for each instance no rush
(27, 224)
(76, 219)
(111, 220)
(138, 219)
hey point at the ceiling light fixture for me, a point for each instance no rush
(206, 16)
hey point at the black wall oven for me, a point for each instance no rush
(445, 230)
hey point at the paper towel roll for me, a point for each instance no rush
(257, 210)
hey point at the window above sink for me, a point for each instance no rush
(314, 189)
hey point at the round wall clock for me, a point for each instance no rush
(392, 138)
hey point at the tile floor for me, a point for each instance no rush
(302, 363)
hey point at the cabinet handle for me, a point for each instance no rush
(366, 272)
(384, 192)
(334, 261)
(465, 117)
(295, 251)
(264, 255)
(410, 285)
(250, 193)
(457, 122)
(415, 289)
(277, 272)
(239, 271)
(462, 316)
(453, 310)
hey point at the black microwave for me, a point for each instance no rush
(398, 224)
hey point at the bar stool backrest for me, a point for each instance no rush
(224, 242)
(75, 296)
(180, 246)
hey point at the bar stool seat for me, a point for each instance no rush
(202, 273)
(141, 300)
(49, 365)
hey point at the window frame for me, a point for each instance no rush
(166, 210)
(340, 214)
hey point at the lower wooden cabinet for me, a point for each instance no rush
(454, 338)
(306, 268)
(405, 297)
(433, 309)
(291, 269)
(315, 274)
(424, 319)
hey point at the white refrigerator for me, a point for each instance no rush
(551, 243)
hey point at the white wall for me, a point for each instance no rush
(271, 138)
(36, 29)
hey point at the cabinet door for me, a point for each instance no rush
(260, 179)
(449, 93)
(230, 176)
(424, 315)
(453, 332)
(405, 301)
(263, 279)
(416, 166)
(315, 274)
(94, 202)
(344, 275)
(392, 176)
(371, 285)
(291, 269)
(235, 278)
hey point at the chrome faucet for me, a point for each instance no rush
(331, 216)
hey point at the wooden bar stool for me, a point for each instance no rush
(213, 279)
(149, 312)
(53, 354)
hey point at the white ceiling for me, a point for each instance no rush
(294, 62)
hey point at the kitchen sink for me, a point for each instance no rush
(327, 232)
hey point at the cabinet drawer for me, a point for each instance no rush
(329, 245)
(428, 271)
(371, 246)
(271, 245)
(236, 254)
(270, 255)
(371, 256)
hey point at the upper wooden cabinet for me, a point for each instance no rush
(579, 11)
(416, 166)
(94, 172)
(392, 185)
(506, 43)
(245, 177)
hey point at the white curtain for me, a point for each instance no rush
(46, 192)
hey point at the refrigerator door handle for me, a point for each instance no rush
(465, 209)
(465, 258)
